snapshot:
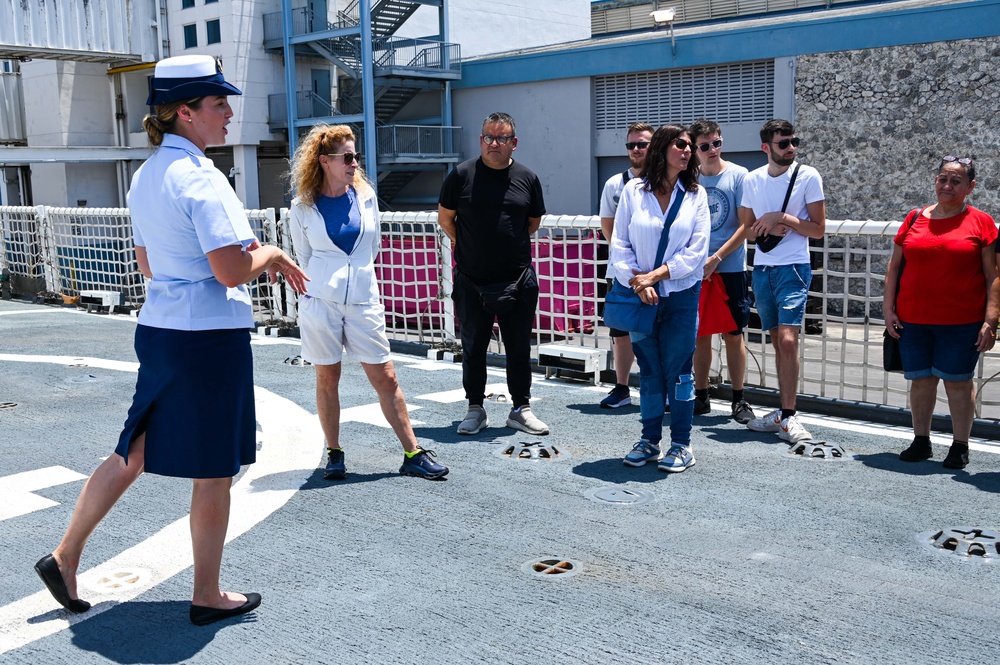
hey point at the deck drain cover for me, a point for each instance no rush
(117, 580)
(7, 405)
(965, 542)
(534, 451)
(818, 450)
(618, 496)
(552, 567)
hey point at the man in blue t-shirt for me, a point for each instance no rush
(727, 255)
(489, 207)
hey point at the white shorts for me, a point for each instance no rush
(327, 329)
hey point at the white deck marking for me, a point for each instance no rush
(458, 395)
(371, 414)
(16, 496)
(287, 458)
(99, 363)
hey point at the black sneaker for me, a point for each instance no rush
(619, 396)
(919, 451)
(958, 456)
(423, 466)
(742, 413)
(335, 469)
(701, 407)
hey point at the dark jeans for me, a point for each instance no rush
(477, 330)
(665, 367)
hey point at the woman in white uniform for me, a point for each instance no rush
(193, 411)
(336, 233)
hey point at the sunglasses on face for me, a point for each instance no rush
(502, 139)
(641, 145)
(705, 147)
(784, 143)
(964, 161)
(681, 144)
(348, 156)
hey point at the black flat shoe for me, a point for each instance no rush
(48, 570)
(202, 616)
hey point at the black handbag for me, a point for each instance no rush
(767, 242)
(623, 308)
(499, 297)
(892, 361)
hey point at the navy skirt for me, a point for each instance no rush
(194, 401)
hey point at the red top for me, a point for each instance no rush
(943, 280)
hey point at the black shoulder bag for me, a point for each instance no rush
(891, 360)
(767, 242)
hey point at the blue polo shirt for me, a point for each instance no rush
(182, 207)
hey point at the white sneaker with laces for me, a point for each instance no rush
(792, 431)
(766, 423)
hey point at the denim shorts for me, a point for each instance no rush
(780, 293)
(947, 352)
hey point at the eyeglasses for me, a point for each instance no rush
(641, 145)
(705, 147)
(348, 156)
(502, 139)
(784, 143)
(964, 161)
(681, 144)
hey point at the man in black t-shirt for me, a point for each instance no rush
(489, 207)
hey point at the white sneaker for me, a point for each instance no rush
(525, 421)
(475, 420)
(792, 431)
(766, 423)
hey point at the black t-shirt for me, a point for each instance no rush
(493, 208)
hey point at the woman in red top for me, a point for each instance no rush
(945, 313)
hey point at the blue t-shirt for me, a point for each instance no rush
(725, 191)
(342, 218)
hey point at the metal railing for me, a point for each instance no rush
(417, 141)
(304, 22)
(310, 105)
(417, 54)
(76, 249)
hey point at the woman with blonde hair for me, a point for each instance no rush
(193, 411)
(336, 233)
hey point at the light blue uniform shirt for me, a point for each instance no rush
(182, 207)
(725, 191)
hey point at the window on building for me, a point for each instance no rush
(214, 32)
(187, 4)
(190, 36)
(208, 2)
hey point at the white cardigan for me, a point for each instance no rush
(347, 279)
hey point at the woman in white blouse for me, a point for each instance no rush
(666, 194)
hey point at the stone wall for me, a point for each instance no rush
(875, 122)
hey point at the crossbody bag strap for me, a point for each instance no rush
(791, 183)
(665, 236)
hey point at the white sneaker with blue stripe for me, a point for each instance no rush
(677, 459)
(642, 452)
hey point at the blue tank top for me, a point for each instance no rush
(342, 218)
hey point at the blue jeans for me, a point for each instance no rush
(665, 367)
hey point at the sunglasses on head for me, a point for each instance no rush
(964, 161)
(348, 156)
(784, 143)
(641, 145)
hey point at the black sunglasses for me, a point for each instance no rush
(348, 156)
(964, 161)
(681, 144)
(784, 143)
(705, 147)
(641, 145)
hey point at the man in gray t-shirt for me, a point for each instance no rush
(727, 255)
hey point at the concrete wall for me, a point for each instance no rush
(505, 25)
(877, 121)
(554, 129)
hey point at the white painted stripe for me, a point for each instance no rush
(371, 414)
(16, 491)
(40, 310)
(458, 395)
(99, 363)
(288, 456)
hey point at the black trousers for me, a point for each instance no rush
(476, 331)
